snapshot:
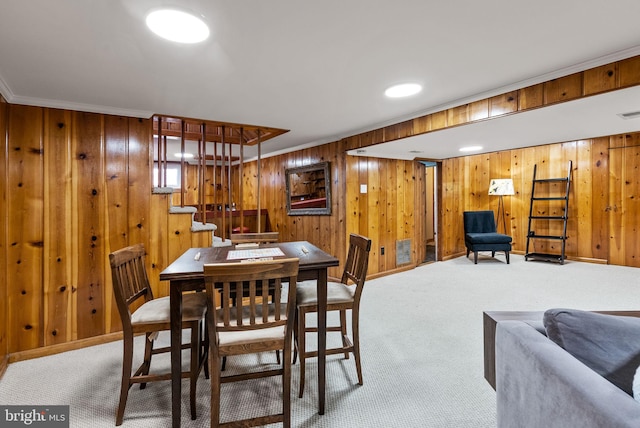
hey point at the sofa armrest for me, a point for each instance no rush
(538, 384)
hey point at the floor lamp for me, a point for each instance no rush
(501, 187)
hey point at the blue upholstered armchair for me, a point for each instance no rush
(480, 235)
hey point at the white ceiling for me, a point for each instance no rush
(320, 68)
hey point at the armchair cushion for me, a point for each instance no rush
(487, 238)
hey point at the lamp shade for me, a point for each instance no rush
(501, 187)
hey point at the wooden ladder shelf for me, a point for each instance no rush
(539, 217)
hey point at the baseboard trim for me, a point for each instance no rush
(392, 271)
(63, 347)
(589, 260)
(453, 256)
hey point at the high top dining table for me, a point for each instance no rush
(186, 274)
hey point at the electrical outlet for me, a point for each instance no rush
(382, 251)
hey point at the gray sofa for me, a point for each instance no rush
(539, 384)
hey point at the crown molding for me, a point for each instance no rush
(66, 105)
(5, 91)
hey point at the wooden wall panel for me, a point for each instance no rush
(631, 207)
(503, 104)
(4, 350)
(387, 195)
(583, 179)
(563, 89)
(117, 187)
(89, 206)
(478, 110)
(375, 219)
(600, 79)
(139, 168)
(600, 198)
(629, 72)
(352, 190)
(458, 115)
(405, 202)
(25, 194)
(159, 242)
(58, 303)
(616, 207)
(531, 97)
(519, 203)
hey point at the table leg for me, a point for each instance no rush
(175, 297)
(322, 335)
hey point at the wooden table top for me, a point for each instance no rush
(188, 266)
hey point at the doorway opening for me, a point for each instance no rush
(430, 212)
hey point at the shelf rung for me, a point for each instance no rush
(558, 237)
(547, 180)
(554, 198)
(544, 256)
(552, 217)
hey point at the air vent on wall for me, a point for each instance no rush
(403, 252)
(630, 115)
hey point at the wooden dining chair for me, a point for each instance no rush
(251, 324)
(141, 313)
(258, 238)
(341, 296)
(253, 238)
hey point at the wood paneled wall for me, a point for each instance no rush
(604, 211)
(78, 186)
(4, 350)
(326, 232)
(386, 213)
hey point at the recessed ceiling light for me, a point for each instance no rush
(184, 155)
(471, 149)
(177, 26)
(403, 90)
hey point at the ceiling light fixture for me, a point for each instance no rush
(471, 149)
(177, 26)
(403, 90)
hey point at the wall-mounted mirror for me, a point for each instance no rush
(309, 189)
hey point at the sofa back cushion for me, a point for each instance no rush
(608, 344)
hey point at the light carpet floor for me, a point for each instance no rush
(422, 350)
